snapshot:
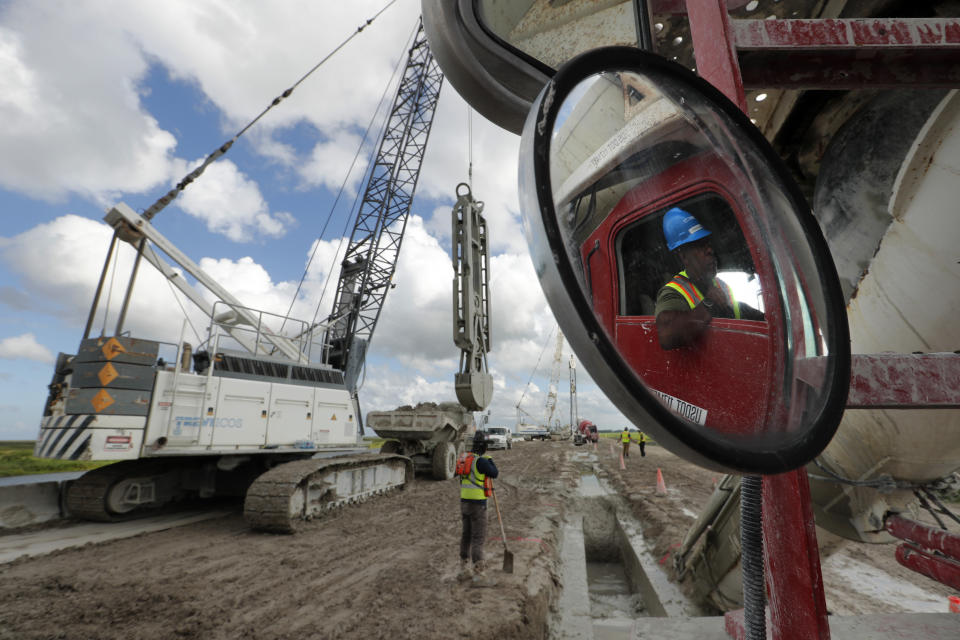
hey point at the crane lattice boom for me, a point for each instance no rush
(371, 256)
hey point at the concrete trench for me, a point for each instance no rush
(612, 586)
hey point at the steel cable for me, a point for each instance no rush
(167, 198)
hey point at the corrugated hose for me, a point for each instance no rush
(751, 554)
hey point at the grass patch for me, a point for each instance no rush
(16, 459)
(17, 445)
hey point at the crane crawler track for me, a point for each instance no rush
(88, 496)
(281, 499)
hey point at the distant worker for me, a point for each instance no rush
(625, 440)
(642, 441)
(695, 296)
(475, 470)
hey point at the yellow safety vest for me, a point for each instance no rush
(685, 287)
(471, 485)
(643, 437)
(625, 436)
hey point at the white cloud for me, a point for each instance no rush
(417, 314)
(384, 389)
(244, 53)
(25, 347)
(62, 289)
(495, 155)
(230, 203)
(75, 120)
(412, 357)
(71, 116)
(331, 159)
(64, 285)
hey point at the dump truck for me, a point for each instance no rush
(432, 435)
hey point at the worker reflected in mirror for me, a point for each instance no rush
(692, 298)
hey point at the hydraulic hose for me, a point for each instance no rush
(751, 554)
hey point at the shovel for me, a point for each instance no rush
(507, 554)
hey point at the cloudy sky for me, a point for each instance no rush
(114, 101)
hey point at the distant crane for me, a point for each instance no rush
(543, 427)
(551, 403)
(539, 428)
(574, 411)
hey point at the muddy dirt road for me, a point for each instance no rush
(382, 569)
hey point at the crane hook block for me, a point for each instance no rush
(474, 389)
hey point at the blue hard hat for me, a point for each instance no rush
(680, 228)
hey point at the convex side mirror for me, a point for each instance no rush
(683, 264)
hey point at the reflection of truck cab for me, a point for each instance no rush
(720, 380)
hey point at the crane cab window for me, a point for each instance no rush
(644, 264)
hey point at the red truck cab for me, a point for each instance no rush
(720, 381)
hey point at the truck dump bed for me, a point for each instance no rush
(420, 422)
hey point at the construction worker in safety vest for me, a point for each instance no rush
(625, 441)
(642, 441)
(694, 297)
(475, 471)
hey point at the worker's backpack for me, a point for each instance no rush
(464, 464)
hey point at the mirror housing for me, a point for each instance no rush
(683, 264)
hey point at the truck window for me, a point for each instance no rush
(644, 264)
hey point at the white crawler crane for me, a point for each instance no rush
(256, 413)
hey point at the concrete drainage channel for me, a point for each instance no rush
(613, 587)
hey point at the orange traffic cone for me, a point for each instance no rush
(622, 465)
(661, 486)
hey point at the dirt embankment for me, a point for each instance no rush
(382, 569)
(665, 517)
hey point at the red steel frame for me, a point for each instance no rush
(818, 54)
